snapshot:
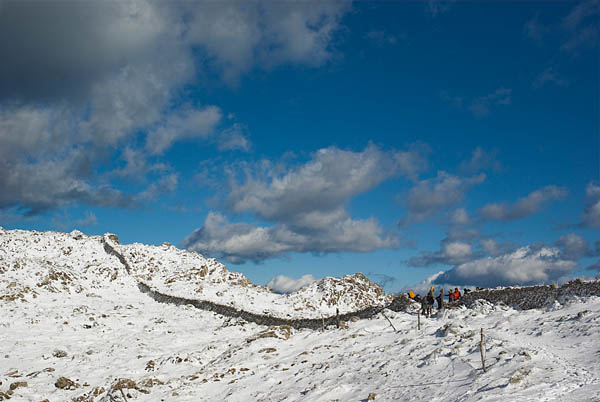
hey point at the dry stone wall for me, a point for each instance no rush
(519, 297)
(530, 297)
(228, 311)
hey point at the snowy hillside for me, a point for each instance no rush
(75, 326)
(186, 274)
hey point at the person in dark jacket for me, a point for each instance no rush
(440, 300)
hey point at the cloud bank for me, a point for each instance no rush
(94, 77)
(524, 207)
(524, 266)
(306, 206)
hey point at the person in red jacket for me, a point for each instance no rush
(456, 294)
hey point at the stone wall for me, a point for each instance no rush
(228, 311)
(531, 297)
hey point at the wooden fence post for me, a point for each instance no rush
(390, 321)
(481, 350)
(419, 320)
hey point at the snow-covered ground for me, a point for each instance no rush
(80, 315)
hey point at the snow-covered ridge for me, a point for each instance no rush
(77, 262)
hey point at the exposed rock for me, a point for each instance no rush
(65, 383)
(59, 353)
(17, 384)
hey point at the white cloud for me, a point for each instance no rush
(239, 35)
(480, 160)
(453, 251)
(285, 284)
(127, 63)
(186, 123)
(525, 266)
(460, 217)
(525, 206)
(591, 213)
(164, 184)
(315, 193)
(234, 137)
(305, 205)
(490, 246)
(429, 197)
(574, 246)
(239, 242)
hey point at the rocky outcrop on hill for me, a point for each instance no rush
(33, 262)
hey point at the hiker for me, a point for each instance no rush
(418, 298)
(440, 300)
(426, 305)
(456, 294)
(429, 305)
(466, 291)
(423, 301)
(450, 297)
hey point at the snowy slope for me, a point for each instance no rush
(82, 318)
(189, 275)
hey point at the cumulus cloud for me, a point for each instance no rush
(431, 196)
(457, 247)
(480, 160)
(127, 64)
(235, 137)
(452, 252)
(524, 207)
(591, 213)
(524, 266)
(186, 123)
(238, 242)
(314, 194)
(574, 246)
(305, 206)
(460, 217)
(163, 185)
(285, 284)
(490, 246)
(40, 186)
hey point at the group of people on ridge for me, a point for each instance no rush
(429, 299)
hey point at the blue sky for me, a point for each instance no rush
(447, 142)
